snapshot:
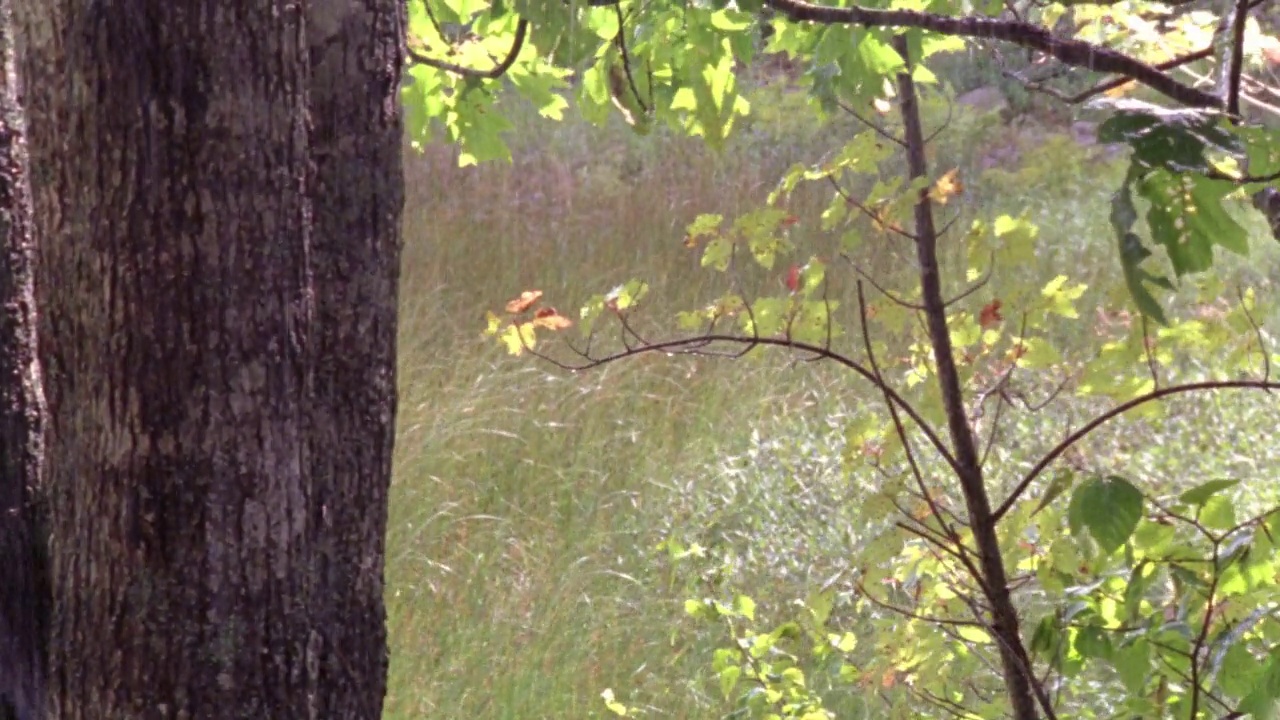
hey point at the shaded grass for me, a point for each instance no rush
(526, 503)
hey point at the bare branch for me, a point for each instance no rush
(879, 288)
(885, 605)
(1100, 88)
(684, 345)
(1115, 412)
(621, 40)
(1257, 332)
(1235, 60)
(874, 126)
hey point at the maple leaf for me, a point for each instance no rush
(990, 315)
(524, 302)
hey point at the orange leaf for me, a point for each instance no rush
(946, 186)
(990, 315)
(524, 302)
(550, 319)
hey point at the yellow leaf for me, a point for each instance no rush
(946, 186)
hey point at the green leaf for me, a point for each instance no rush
(1176, 140)
(1110, 508)
(1133, 253)
(877, 56)
(1200, 494)
(718, 253)
(1187, 218)
(1261, 700)
(844, 643)
(768, 317)
(1141, 578)
(1093, 642)
(974, 634)
(627, 295)
(1239, 671)
(729, 680)
(730, 20)
(1133, 663)
(1059, 485)
(1016, 236)
(761, 229)
(1218, 513)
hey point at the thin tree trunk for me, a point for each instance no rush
(1015, 663)
(24, 593)
(205, 561)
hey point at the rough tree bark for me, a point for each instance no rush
(358, 188)
(24, 601)
(217, 288)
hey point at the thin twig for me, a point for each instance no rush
(621, 40)
(874, 126)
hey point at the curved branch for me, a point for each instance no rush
(685, 344)
(1072, 52)
(497, 71)
(621, 40)
(1115, 412)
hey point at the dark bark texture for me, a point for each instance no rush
(24, 593)
(358, 188)
(217, 283)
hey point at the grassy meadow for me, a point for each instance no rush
(527, 504)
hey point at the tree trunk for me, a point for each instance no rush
(358, 188)
(217, 497)
(24, 601)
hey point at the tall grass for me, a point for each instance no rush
(526, 502)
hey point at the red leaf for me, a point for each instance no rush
(793, 278)
(990, 315)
